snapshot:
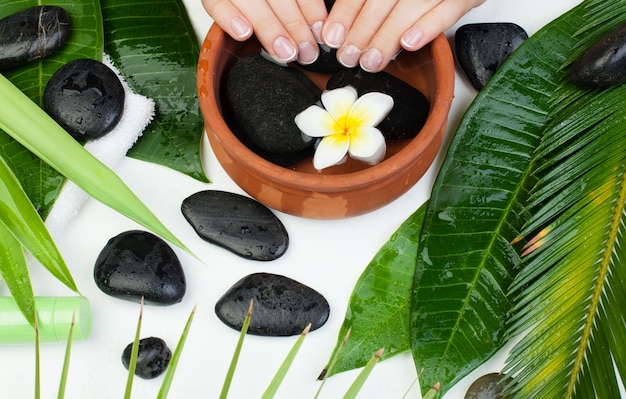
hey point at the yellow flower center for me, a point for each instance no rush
(345, 126)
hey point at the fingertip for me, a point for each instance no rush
(241, 30)
(412, 39)
(372, 60)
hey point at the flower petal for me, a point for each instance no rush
(338, 102)
(315, 121)
(330, 151)
(371, 108)
(368, 145)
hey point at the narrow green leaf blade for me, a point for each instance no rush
(66, 359)
(21, 219)
(132, 363)
(378, 310)
(153, 44)
(171, 369)
(271, 390)
(465, 262)
(360, 380)
(41, 182)
(35, 130)
(14, 273)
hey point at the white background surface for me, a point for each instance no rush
(328, 256)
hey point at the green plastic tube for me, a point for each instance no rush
(54, 317)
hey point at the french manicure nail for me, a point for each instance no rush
(284, 49)
(307, 53)
(335, 35)
(349, 56)
(240, 27)
(316, 29)
(412, 38)
(371, 60)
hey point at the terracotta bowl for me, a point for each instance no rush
(341, 191)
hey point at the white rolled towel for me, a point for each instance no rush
(110, 149)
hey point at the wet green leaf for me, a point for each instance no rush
(153, 44)
(20, 218)
(378, 311)
(14, 273)
(41, 182)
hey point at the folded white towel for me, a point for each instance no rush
(109, 149)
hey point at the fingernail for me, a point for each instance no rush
(371, 60)
(349, 56)
(284, 49)
(316, 28)
(335, 35)
(240, 27)
(307, 53)
(412, 38)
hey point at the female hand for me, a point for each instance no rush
(371, 32)
(287, 29)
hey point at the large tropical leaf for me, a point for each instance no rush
(378, 311)
(41, 182)
(466, 263)
(153, 44)
(572, 293)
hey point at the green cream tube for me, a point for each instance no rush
(54, 320)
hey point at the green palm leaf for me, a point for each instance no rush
(571, 292)
(153, 44)
(466, 263)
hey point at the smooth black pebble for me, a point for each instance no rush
(482, 48)
(32, 34)
(153, 357)
(410, 108)
(281, 306)
(238, 223)
(137, 264)
(260, 100)
(85, 97)
(488, 386)
(604, 63)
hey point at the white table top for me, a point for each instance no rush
(329, 256)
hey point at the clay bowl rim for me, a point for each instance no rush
(434, 126)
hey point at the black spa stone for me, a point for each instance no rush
(488, 386)
(85, 97)
(604, 63)
(238, 223)
(137, 264)
(281, 306)
(153, 357)
(482, 48)
(410, 109)
(260, 101)
(32, 34)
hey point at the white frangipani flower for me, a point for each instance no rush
(347, 126)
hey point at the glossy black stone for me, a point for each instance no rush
(281, 306)
(482, 48)
(604, 63)
(410, 108)
(85, 97)
(137, 264)
(153, 357)
(260, 102)
(238, 223)
(32, 34)
(486, 387)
